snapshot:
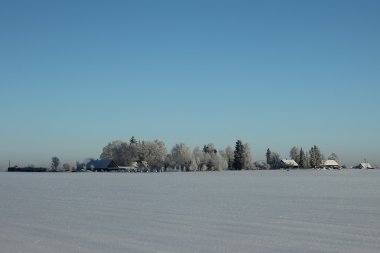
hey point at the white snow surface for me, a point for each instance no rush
(247, 211)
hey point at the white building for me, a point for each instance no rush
(330, 164)
(363, 166)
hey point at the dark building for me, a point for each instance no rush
(102, 165)
(288, 164)
(26, 169)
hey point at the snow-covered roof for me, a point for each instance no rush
(289, 162)
(365, 166)
(134, 164)
(330, 163)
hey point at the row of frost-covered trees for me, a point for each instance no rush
(153, 154)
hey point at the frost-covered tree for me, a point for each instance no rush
(168, 162)
(247, 157)
(268, 155)
(334, 157)
(154, 153)
(55, 163)
(80, 166)
(208, 158)
(294, 154)
(66, 167)
(181, 156)
(129, 153)
(229, 156)
(307, 160)
(209, 149)
(221, 163)
(315, 157)
(198, 159)
(261, 165)
(275, 160)
(113, 151)
(211, 157)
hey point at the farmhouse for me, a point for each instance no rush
(288, 164)
(331, 164)
(102, 165)
(363, 166)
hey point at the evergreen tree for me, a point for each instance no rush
(229, 156)
(238, 156)
(307, 160)
(273, 159)
(133, 140)
(209, 149)
(315, 157)
(54, 163)
(302, 162)
(268, 156)
(294, 154)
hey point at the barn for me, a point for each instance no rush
(363, 166)
(102, 165)
(331, 164)
(288, 164)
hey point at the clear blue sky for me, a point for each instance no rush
(75, 75)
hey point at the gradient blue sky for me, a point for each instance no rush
(75, 75)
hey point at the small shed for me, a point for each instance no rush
(332, 164)
(288, 164)
(102, 165)
(364, 166)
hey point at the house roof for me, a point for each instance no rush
(289, 162)
(365, 166)
(101, 164)
(330, 163)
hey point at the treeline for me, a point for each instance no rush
(153, 154)
(311, 159)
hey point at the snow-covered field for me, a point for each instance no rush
(254, 211)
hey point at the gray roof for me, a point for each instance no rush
(101, 164)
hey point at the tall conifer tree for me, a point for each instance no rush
(302, 163)
(315, 157)
(238, 156)
(269, 156)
